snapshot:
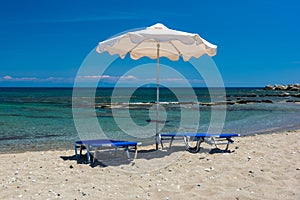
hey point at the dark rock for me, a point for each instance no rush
(224, 102)
(230, 102)
(269, 87)
(292, 101)
(280, 87)
(296, 95)
(242, 102)
(267, 101)
(295, 89)
(290, 87)
(247, 101)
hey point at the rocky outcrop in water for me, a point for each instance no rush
(290, 87)
(247, 101)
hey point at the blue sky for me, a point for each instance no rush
(43, 43)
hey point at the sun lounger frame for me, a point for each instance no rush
(96, 145)
(215, 139)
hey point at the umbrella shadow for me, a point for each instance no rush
(82, 159)
(118, 158)
(144, 157)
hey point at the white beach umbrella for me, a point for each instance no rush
(158, 41)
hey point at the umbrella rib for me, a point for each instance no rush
(179, 53)
(135, 46)
(138, 45)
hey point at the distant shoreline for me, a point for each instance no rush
(161, 87)
(277, 87)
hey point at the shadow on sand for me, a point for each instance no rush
(118, 158)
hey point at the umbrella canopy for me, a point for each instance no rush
(172, 44)
(158, 41)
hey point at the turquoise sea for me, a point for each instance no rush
(41, 118)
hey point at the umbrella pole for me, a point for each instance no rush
(157, 97)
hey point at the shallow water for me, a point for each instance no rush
(41, 118)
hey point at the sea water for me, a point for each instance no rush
(41, 118)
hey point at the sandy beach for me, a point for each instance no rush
(258, 167)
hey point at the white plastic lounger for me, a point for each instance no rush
(90, 145)
(216, 139)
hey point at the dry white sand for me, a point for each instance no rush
(261, 167)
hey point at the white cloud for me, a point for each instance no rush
(105, 77)
(128, 77)
(89, 77)
(8, 78)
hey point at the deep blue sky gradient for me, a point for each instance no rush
(43, 43)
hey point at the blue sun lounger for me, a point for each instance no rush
(216, 139)
(95, 145)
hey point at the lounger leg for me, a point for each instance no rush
(185, 139)
(214, 142)
(227, 146)
(229, 140)
(88, 154)
(80, 150)
(95, 155)
(171, 141)
(161, 142)
(76, 154)
(135, 153)
(156, 141)
(198, 144)
(127, 152)
(217, 144)
(195, 149)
